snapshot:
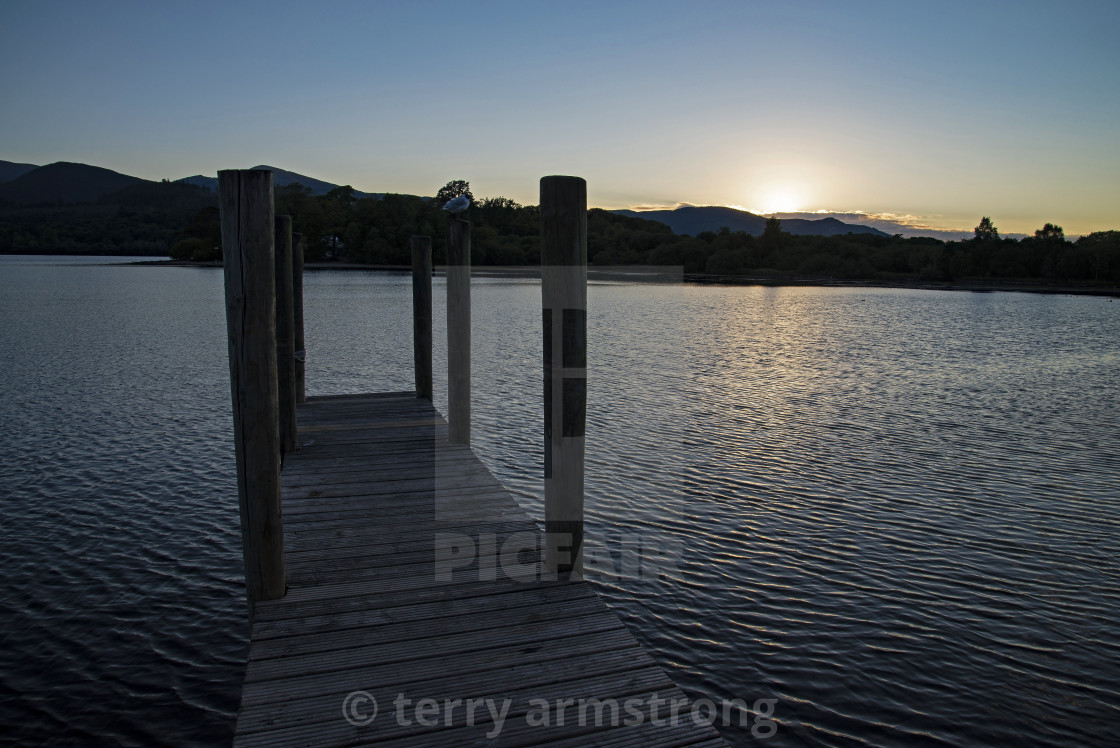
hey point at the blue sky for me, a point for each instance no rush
(929, 115)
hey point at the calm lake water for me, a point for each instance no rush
(897, 511)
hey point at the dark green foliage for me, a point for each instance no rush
(343, 225)
(453, 189)
(165, 195)
(142, 218)
(614, 239)
(1101, 250)
(377, 231)
(202, 238)
(196, 250)
(1050, 232)
(986, 230)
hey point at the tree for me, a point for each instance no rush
(1050, 232)
(773, 238)
(986, 231)
(453, 189)
(1104, 252)
(494, 202)
(344, 195)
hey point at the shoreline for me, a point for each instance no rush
(654, 274)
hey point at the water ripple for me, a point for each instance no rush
(894, 511)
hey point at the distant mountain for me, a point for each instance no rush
(280, 178)
(62, 183)
(66, 208)
(9, 170)
(692, 220)
(207, 183)
(827, 227)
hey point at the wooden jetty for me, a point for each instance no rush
(412, 573)
(398, 595)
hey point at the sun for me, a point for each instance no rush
(782, 198)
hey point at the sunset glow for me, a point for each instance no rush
(895, 127)
(779, 199)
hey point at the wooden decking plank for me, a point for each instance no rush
(400, 482)
(400, 509)
(400, 394)
(388, 470)
(418, 565)
(341, 425)
(640, 685)
(474, 619)
(375, 499)
(480, 513)
(421, 495)
(413, 583)
(584, 651)
(263, 713)
(282, 610)
(646, 735)
(386, 552)
(375, 542)
(421, 435)
(362, 557)
(319, 409)
(315, 539)
(315, 536)
(374, 465)
(378, 614)
(381, 506)
(368, 653)
(360, 421)
(388, 730)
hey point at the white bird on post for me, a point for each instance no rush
(457, 205)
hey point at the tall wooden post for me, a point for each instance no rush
(564, 303)
(297, 316)
(285, 336)
(422, 314)
(245, 197)
(459, 331)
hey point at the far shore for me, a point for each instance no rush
(655, 274)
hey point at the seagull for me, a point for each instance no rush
(457, 204)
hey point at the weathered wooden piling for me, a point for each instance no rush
(245, 199)
(564, 304)
(422, 314)
(300, 354)
(459, 331)
(285, 335)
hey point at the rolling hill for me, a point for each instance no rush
(9, 170)
(65, 183)
(690, 219)
(280, 178)
(62, 183)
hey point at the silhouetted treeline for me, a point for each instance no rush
(182, 220)
(340, 226)
(144, 219)
(1092, 258)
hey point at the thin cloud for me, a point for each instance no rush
(892, 223)
(904, 224)
(907, 225)
(653, 206)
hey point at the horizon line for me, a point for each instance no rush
(909, 224)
